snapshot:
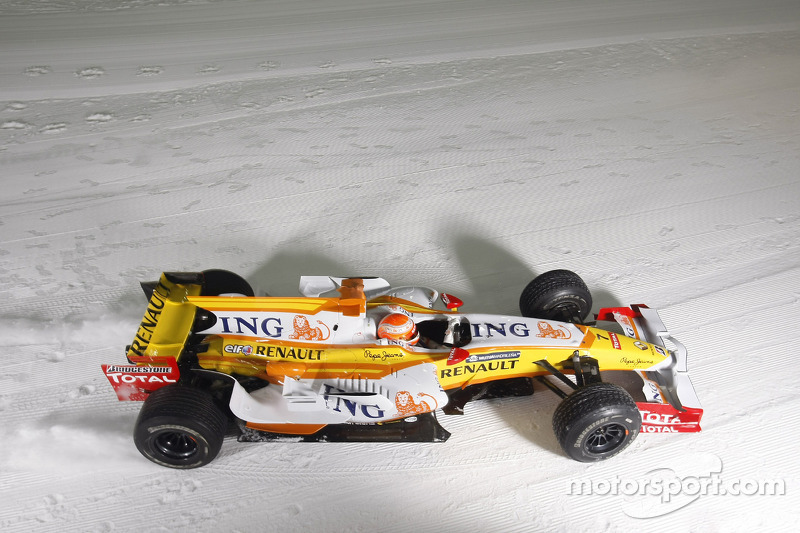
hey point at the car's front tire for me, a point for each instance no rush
(596, 422)
(180, 427)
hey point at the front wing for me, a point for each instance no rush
(671, 404)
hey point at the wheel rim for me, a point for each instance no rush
(567, 311)
(606, 438)
(176, 445)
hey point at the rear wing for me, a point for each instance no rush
(168, 319)
(672, 403)
(160, 339)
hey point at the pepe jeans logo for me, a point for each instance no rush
(382, 355)
(627, 361)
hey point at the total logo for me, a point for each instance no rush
(658, 429)
(650, 417)
(659, 423)
(140, 378)
(614, 340)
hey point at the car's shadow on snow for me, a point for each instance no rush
(497, 277)
(280, 274)
(530, 417)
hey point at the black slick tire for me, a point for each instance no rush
(556, 295)
(216, 282)
(596, 422)
(180, 427)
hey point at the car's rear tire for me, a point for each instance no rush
(180, 427)
(216, 282)
(556, 295)
(596, 422)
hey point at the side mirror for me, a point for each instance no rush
(451, 302)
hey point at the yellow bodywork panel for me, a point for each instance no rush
(170, 314)
(166, 324)
(618, 352)
(612, 352)
(307, 306)
(271, 360)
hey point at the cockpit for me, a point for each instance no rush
(448, 332)
(390, 315)
(437, 333)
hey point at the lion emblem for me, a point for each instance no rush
(407, 407)
(548, 331)
(304, 331)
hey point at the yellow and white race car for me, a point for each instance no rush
(355, 359)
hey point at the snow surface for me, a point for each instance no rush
(650, 146)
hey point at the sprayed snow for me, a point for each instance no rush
(650, 146)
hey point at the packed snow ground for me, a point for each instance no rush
(650, 146)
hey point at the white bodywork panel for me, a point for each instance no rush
(408, 392)
(326, 286)
(668, 380)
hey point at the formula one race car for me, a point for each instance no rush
(357, 360)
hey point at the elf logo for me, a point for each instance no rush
(243, 349)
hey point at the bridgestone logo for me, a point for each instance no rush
(139, 369)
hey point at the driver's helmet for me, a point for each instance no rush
(399, 328)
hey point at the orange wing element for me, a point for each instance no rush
(304, 305)
(353, 301)
(352, 288)
(287, 429)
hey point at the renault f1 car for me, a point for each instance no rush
(322, 367)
